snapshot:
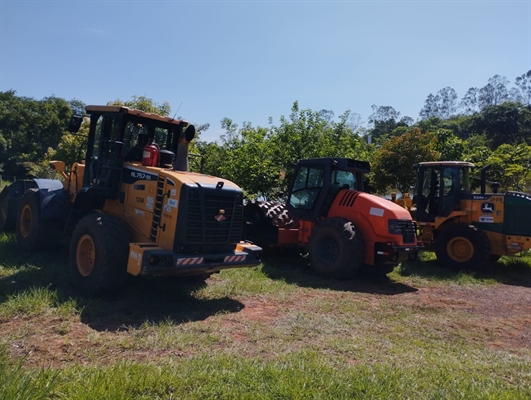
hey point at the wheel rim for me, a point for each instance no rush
(26, 217)
(460, 249)
(328, 249)
(85, 255)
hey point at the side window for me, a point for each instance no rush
(452, 180)
(134, 134)
(306, 187)
(431, 179)
(161, 137)
(107, 129)
(344, 179)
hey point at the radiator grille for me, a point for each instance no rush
(211, 216)
(408, 231)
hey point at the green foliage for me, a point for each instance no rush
(32, 133)
(510, 166)
(145, 104)
(28, 128)
(449, 146)
(392, 167)
(507, 123)
(306, 134)
(260, 160)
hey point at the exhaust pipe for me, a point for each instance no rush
(181, 158)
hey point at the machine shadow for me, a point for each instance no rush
(140, 301)
(292, 267)
(152, 301)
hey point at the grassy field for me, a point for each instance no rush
(276, 331)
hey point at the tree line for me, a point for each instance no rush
(490, 125)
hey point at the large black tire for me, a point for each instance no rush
(336, 248)
(462, 246)
(33, 232)
(98, 254)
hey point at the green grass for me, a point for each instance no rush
(276, 331)
(302, 374)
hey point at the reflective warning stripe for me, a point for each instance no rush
(235, 258)
(189, 261)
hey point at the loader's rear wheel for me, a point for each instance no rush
(85, 255)
(336, 248)
(33, 232)
(462, 246)
(98, 254)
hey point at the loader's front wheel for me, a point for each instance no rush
(33, 232)
(462, 246)
(98, 254)
(336, 248)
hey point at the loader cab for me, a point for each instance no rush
(439, 188)
(317, 182)
(119, 135)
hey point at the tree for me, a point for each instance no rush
(385, 119)
(447, 102)
(523, 82)
(327, 115)
(442, 105)
(448, 145)
(392, 166)
(431, 107)
(248, 161)
(494, 93)
(145, 104)
(306, 134)
(28, 128)
(469, 103)
(505, 123)
(510, 166)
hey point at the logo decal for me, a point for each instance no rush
(221, 216)
(487, 208)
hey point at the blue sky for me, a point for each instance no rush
(250, 60)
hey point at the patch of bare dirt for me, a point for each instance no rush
(502, 313)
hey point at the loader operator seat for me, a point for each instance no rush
(136, 152)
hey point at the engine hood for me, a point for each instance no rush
(179, 178)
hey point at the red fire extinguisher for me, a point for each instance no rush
(150, 156)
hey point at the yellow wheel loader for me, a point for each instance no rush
(132, 206)
(467, 229)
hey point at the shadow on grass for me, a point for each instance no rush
(140, 301)
(515, 271)
(293, 268)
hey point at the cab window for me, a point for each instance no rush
(306, 187)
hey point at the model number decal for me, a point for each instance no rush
(140, 175)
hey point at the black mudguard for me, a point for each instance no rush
(54, 199)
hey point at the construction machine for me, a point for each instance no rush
(340, 226)
(132, 206)
(466, 229)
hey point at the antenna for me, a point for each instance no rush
(177, 110)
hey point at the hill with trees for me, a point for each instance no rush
(489, 125)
